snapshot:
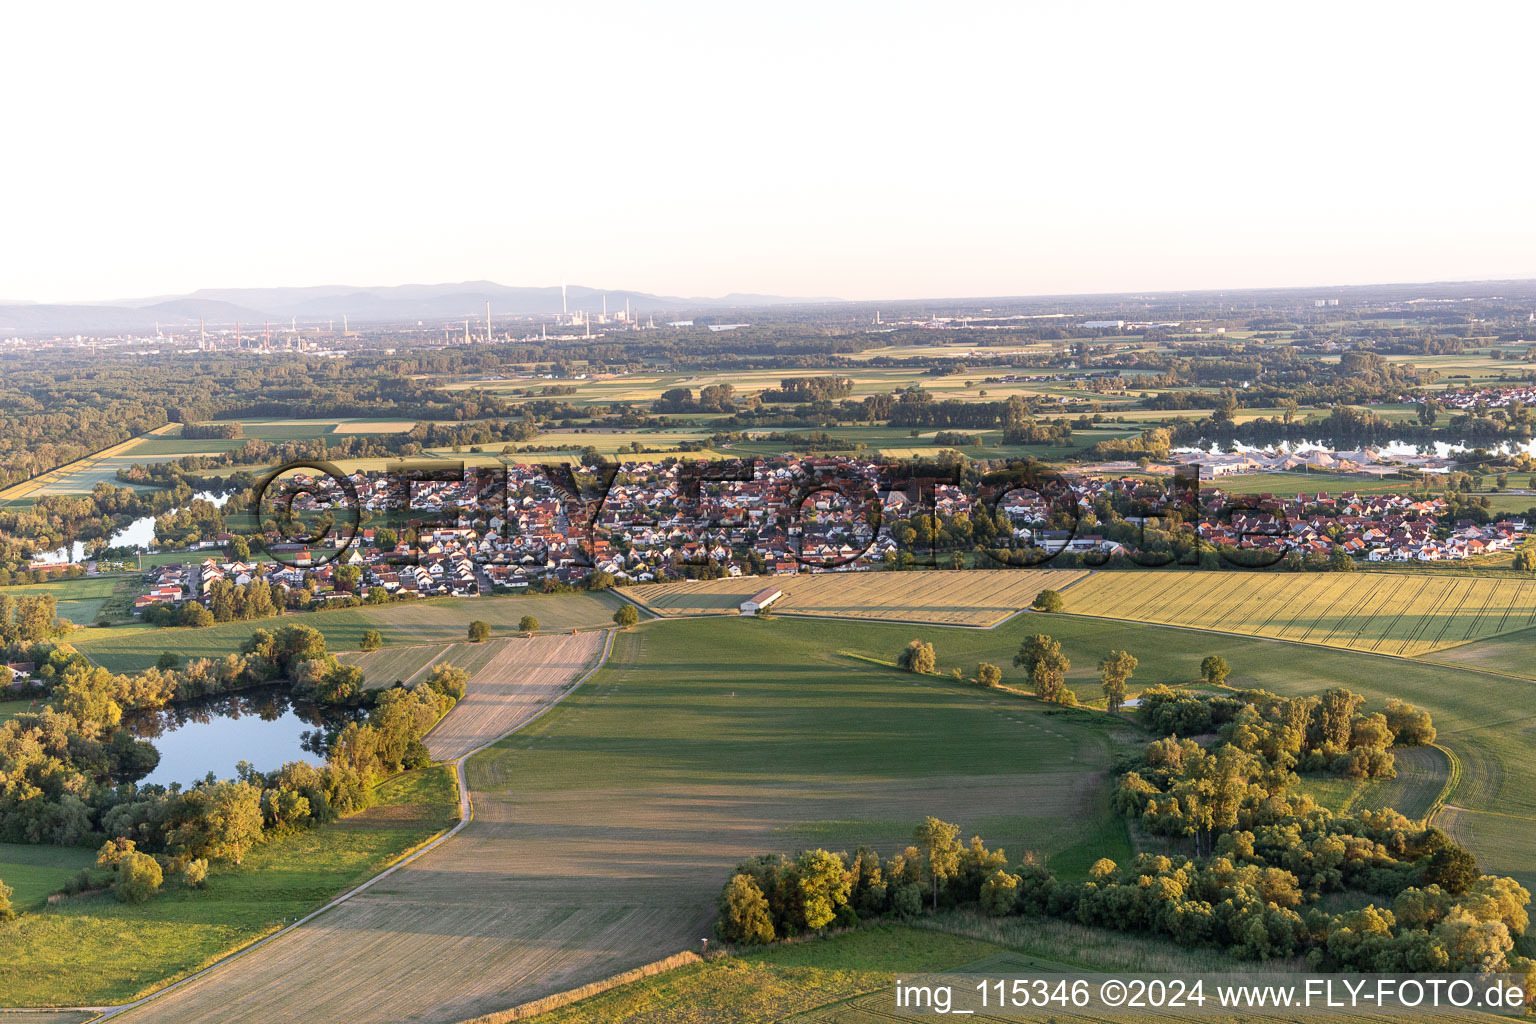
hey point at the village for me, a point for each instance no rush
(506, 532)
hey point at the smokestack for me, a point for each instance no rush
(564, 310)
(487, 321)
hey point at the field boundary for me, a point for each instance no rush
(559, 1000)
(466, 815)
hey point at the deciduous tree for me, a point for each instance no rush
(939, 842)
(744, 914)
(1115, 671)
(1047, 666)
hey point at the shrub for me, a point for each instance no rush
(917, 657)
(907, 900)
(449, 680)
(626, 616)
(195, 874)
(416, 756)
(479, 632)
(528, 624)
(988, 674)
(196, 616)
(6, 913)
(138, 877)
(999, 893)
(372, 640)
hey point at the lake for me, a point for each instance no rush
(268, 728)
(138, 534)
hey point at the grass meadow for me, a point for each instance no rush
(80, 600)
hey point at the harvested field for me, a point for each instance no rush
(516, 680)
(391, 665)
(979, 597)
(1381, 613)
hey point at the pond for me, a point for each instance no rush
(138, 534)
(268, 728)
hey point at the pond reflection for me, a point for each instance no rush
(266, 727)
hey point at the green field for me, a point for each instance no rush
(1292, 484)
(91, 949)
(1508, 652)
(1381, 613)
(134, 648)
(80, 600)
(37, 872)
(1422, 774)
(847, 978)
(8, 708)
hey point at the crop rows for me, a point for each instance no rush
(970, 598)
(1407, 615)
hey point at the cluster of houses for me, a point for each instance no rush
(442, 565)
(1471, 398)
(503, 531)
(1377, 527)
(1367, 462)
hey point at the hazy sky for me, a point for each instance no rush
(863, 151)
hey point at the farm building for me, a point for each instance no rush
(760, 600)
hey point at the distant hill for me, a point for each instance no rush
(359, 305)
